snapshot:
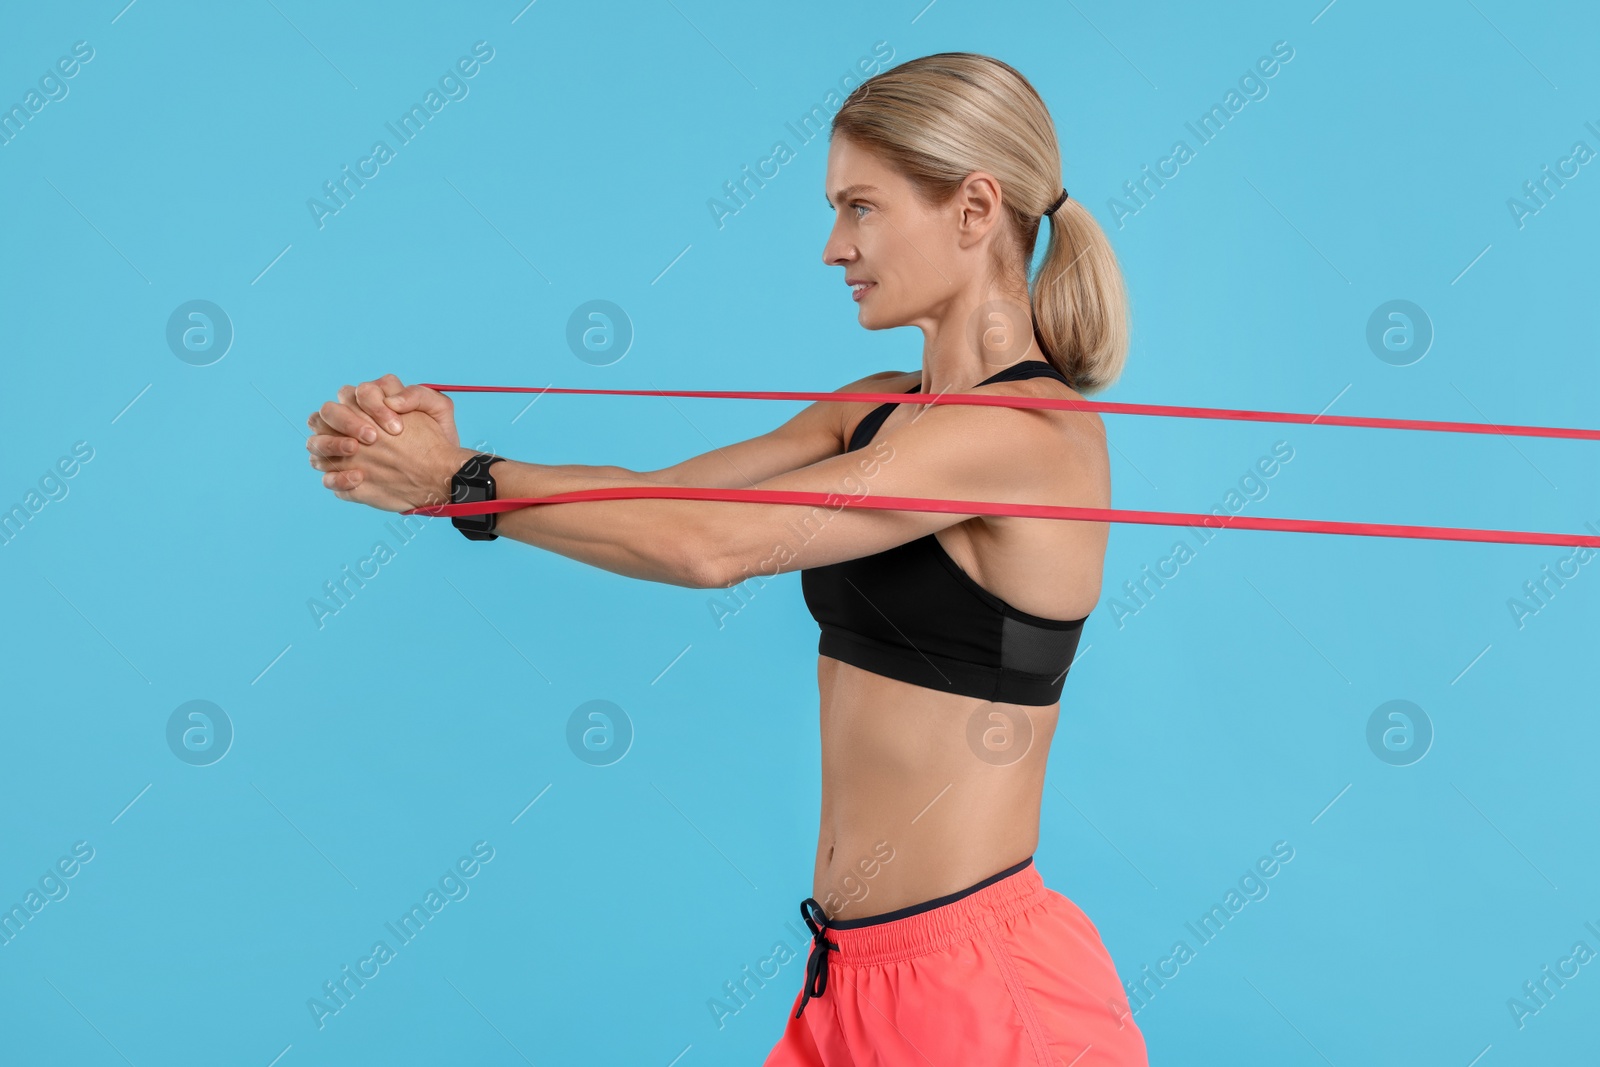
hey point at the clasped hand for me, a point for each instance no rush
(387, 445)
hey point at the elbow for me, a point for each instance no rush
(714, 554)
(713, 566)
(701, 567)
(724, 570)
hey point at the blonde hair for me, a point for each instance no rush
(936, 119)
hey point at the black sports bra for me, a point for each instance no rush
(911, 613)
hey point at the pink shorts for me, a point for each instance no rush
(1003, 972)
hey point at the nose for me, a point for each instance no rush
(836, 251)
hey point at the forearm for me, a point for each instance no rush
(653, 539)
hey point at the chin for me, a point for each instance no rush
(873, 319)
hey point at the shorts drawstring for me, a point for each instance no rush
(817, 963)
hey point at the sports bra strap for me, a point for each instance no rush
(1028, 368)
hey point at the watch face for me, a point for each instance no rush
(464, 492)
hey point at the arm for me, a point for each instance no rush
(814, 433)
(954, 452)
(638, 538)
(340, 426)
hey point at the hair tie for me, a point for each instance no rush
(1051, 210)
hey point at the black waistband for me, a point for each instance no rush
(810, 910)
(927, 905)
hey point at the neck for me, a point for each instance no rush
(975, 337)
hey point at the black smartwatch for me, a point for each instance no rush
(470, 484)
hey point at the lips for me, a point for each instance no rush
(861, 289)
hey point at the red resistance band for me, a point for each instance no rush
(1040, 511)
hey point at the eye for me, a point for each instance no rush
(859, 206)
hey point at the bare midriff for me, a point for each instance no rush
(917, 800)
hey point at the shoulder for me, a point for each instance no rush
(841, 418)
(1038, 453)
(1079, 429)
(882, 382)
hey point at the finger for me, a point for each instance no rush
(342, 418)
(389, 384)
(317, 425)
(347, 397)
(421, 398)
(321, 444)
(320, 428)
(370, 398)
(341, 480)
(330, 463)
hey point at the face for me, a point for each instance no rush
(883, 235)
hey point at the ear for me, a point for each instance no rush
(979, 205)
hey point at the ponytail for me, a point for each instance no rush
(1080, 307)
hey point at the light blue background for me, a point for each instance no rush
(1229, 713)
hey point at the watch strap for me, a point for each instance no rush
(474, 470)
(478, 465)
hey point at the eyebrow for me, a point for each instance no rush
(851, 190)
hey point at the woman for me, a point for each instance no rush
(945, 638)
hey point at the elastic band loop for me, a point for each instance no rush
(1043, 511)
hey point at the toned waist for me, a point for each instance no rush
(866, 878)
